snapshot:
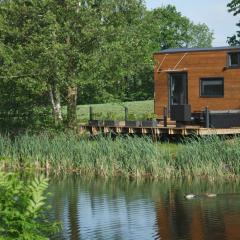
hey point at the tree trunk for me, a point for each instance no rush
(72, 106)
(54, 95)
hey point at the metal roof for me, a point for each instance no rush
(176, 50)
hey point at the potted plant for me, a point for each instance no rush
(132, 121)
(149, 120)
(111, 120)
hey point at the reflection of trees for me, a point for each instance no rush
(171, 216)
(164, 219)
(64, 202)
(73, 210)
(176, 221)
(57, 198)
(176, 218)
(200, 219)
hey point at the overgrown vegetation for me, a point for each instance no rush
(22, 204)
(55, 53)
(130, 156)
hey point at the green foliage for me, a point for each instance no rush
(132, 116)
(21, 208)
(234, 7)
(199, 35)
(111, 116)
(102, 49)
(169, 29)
(149, 116)
(98, 116)
(127, 156)
(208, 157)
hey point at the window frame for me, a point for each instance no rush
(229, 60)
(210, 79)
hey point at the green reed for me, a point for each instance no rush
(209, 157)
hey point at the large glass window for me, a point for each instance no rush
(212, 87)
(234, 59)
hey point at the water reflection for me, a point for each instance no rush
(121, 209)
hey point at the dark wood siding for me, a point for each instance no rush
(198, 65)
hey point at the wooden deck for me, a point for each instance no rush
(159, 130)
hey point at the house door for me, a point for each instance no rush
(178, 93)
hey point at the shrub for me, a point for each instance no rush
(22, 206)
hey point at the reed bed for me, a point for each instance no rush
(129, 156)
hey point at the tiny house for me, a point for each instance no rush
(199, 77)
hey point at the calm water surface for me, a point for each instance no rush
(93, 208)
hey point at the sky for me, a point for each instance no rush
(212, 12)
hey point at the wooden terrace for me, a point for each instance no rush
(159, 130)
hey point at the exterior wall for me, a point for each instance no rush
(197, 65)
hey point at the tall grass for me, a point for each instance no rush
(210, 157)
(201, 157)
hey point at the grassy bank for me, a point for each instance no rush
(137, 108)
(208, 158)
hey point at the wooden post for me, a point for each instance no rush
(126, 113)
(207, 124)
(165, 114)
(90, 113)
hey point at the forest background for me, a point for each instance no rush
(56, 53)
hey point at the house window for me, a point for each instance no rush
(212, 87)
(234, 59)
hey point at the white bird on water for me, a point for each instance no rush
(210, 194)
(190, 196)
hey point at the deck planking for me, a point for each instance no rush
(159, 130)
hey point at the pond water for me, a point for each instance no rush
(95, 208)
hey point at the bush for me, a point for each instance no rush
(22, 206)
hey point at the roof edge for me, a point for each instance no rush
(179, 50)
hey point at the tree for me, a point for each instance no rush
(130, 73)
(28, 38)
(58, 44)
(169, 29)
(199, 35)
(162, 28)
(234, 7)
(21, 94)
(55, 52)
(124, 50)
